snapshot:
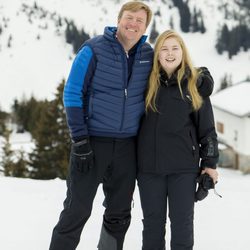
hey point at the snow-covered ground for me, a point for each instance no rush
(29, 209)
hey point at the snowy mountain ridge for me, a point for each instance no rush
(34, 56)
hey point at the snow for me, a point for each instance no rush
(30, 65)
(234, 99)
(20, 143)
(30, 209)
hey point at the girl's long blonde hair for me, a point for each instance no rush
(154, 79)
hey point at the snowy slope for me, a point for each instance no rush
(36, 66)
(30, 209)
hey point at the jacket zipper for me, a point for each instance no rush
(126, 83)
(156, 134)
(125, 76)
(156, 140)
(192, 140)
(126, 93)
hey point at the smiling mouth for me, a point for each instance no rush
(170, 60)
(131, 30)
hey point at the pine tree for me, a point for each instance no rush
(3, 118)
(26, 114)
(41, 159)
(7, 159)
(62, 137)
(171, 23)
(75, 37)
(243, 3)
(59, 22)
(51, 155)
(32, 108)
(20, 166)
(223, 39)
(185, 17)
(9, 41)
(153, 34)
(177, 3)
(195, 24)
(234, 42)
(244, 33)
(80, 38)
(226, 82)
(202, 26)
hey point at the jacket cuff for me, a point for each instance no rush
(79, 138)
(208, 163)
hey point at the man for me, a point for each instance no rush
(104, 101)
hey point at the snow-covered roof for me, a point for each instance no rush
(234, 99)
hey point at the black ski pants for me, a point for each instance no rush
(115, 167)
(178, 190)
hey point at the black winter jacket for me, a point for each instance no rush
(177, 139)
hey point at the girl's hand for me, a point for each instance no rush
(212, 173)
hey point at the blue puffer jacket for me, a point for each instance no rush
(99, 96)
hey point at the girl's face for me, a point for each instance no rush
(170, 55)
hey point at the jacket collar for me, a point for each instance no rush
(164, 79)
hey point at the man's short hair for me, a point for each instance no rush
(135, 6)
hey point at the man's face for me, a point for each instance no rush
(132, 25)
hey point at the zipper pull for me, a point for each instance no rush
(126, 93)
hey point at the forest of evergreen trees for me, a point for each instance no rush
(232, 41)
(191, 20)
(46, 122)
(74, 36)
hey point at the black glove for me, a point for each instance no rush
(82, 155)
(205, 183)
(205, 82)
